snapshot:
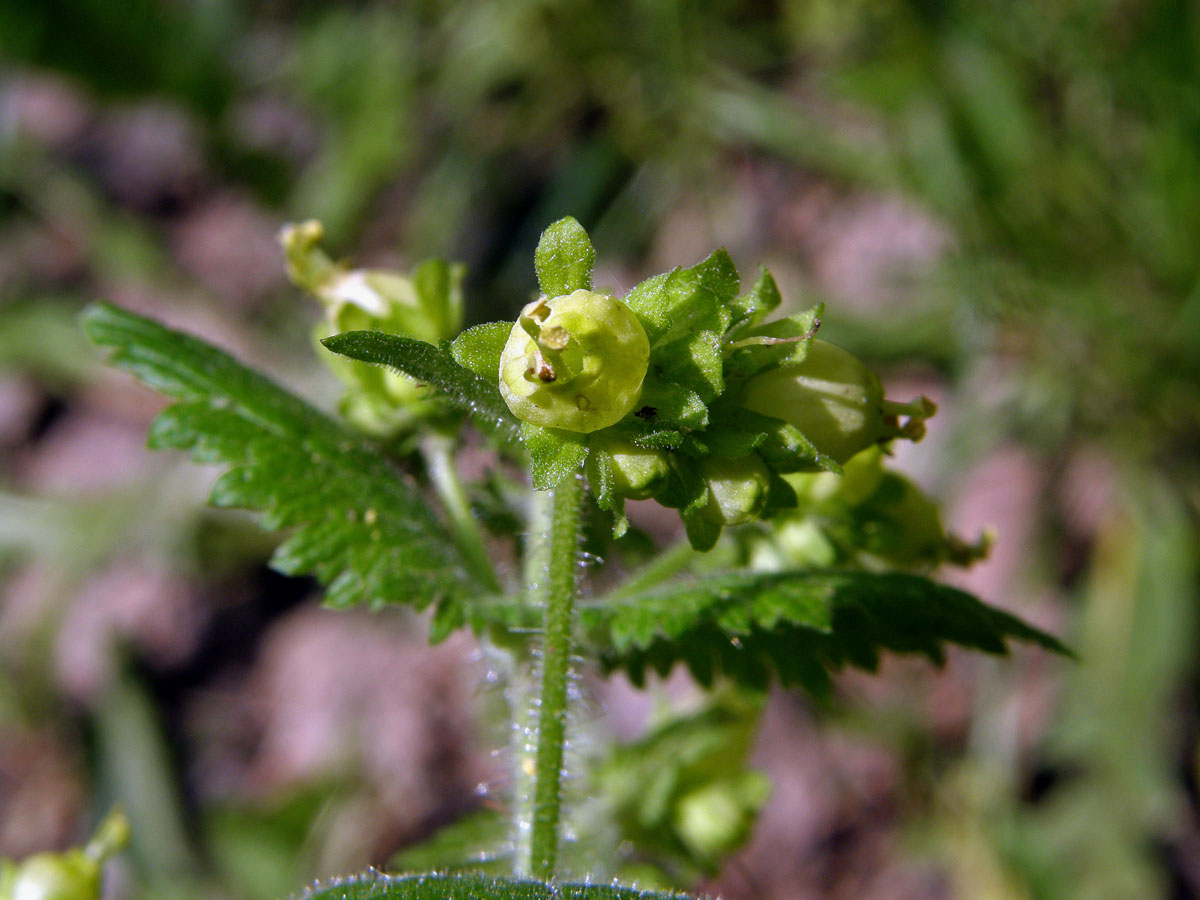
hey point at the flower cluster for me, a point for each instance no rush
(426, 305)
(684, 393)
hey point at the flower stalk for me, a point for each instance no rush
(556, 590)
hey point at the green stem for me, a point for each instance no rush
(556, 587)
(439, 457)
(522, 684)
(111, 837)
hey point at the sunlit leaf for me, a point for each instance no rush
(356, 522)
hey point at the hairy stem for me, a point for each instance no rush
(556, 590)
(439, 457)
(522, 685)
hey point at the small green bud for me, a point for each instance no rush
(860, 478)
(737, 488)
(835, 401)
(73, 875)
(797, 541)
(574, 362)
(717, 818)
(307, 264)
(636, 471)
(57, 876)
(8, 874)
(426, 305)
(904, 527)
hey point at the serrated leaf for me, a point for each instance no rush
(684, 301)
(564, 258)
(376, 886)
(650, 302)
(798, 626)
(553, 454)
(479, 348)
(752, 307)
(459, 386)
(357, 523)
(646, 434)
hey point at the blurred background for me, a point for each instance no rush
(1000, 203)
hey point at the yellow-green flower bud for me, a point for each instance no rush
(574, 362)
(73, 875)
(636, 471)
(737, 488)
(860, 478)
(56, 876)
(835, 400)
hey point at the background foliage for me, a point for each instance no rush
(1006, 197)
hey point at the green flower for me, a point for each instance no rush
(426, 305)
(574, 362)
(835, 401)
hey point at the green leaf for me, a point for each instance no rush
(645, 433)
(439, 290)
(656, 785)
(780, 342)
(663, 403)
(357, 523)
(688, 492)
(783, 445)
(564, 258)
(479, 842)
(695, 362)
(780, 495)
(479, 348)
(602, 482)
(684, 301)
(459, 386)
(650, 301)
(702, 532)
(753, 306)
(553, 454)
(726, 439)
(800, 626)
(375, 886)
